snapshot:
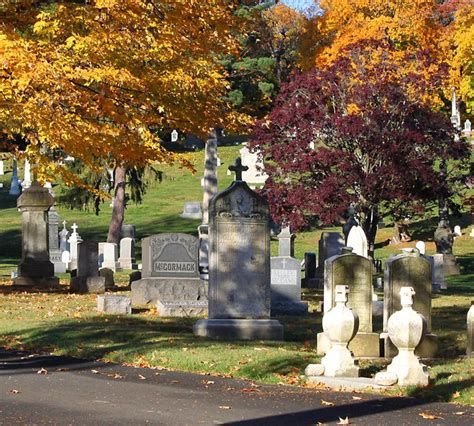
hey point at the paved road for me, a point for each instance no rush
(42, 389)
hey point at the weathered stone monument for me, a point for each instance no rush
(470, 331)
(110, 257)
(356, 272)
(170, 274)
(437, 272)
(444, 239)
(35, 269)
(54, 248)
(254, 175)
(26, 182)
(87, 279)
(330, 244)
(409, 270)
(286, 280)
(340, 324)
(358, 241)
(73, 241)
(405, 330)
(192, 210)
(310, 270)
(15, 188)
(127, 254)
(239, 271)
(114, 304)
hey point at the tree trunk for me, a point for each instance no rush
(118, 211)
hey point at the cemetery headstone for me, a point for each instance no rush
(73, 241)
(437, 272)
(409, 270)
(87, 279)
(54, 248)
(356, 272)
(114, 304)
(127, 254)
(330, 244)
(26, 183)
(111, 257)
(310, 270)
(457, 231)
(239, 266)
(35, 268)
(15, 183)
(421, 246)
(467, 128)
(170, 272)
(63, 243)
(254, 174)
(470, 331)
(128, 231)
(358, 241)
(444, 240)
(286, 242)
(192, 210)
(174, 136)
(108, 274)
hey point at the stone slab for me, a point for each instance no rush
(346, 383)
(363, 345)
(88, 284)
(182, 309)
(114, 304)
(239, 329)
(150, 290)
(289, 308)
(108, 274)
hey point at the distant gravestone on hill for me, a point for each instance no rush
(53, 235)
(170, 273)
(409, 270)
(192, 210)
(356, 272)
(358, 241)
(239, 270)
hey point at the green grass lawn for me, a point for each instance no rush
(64, 323)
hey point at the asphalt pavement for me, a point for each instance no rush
(39, 389)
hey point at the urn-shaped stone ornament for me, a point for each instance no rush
(405, 329)
(340, 325)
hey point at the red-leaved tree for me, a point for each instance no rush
(356, 132)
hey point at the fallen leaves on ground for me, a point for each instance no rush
(224, 407)
(429, 416)
(141, 377)
(344, 421)
(42, 371)
(356, 398)
(14, 391)
(460, 413)
(327, 403)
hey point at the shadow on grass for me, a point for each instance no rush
(424, 229)
(442, 391)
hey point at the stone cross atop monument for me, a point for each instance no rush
(238, 168)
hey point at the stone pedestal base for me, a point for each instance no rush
(88, 284)
(451, 266)
(182, 309)
(427, 348)
(363, 345)
(408, 370)
(50, 282)
(289, 308)
(150, 290)
(128, 263)
(239, 329)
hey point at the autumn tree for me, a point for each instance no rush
(96, 79)
(356, 132)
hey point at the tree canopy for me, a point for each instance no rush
(94, 79)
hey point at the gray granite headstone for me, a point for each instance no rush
(170, 271)
(114, 304)
(286, 287)
(239, 266)
(355, 272)
(87, 279)
(35, 268)
(330, 244)
(409, 270)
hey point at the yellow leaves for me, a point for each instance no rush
(428, 416)
(353, 109)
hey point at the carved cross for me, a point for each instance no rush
(74, 228)
(64, 224)
(283, 262)
(238, 168)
